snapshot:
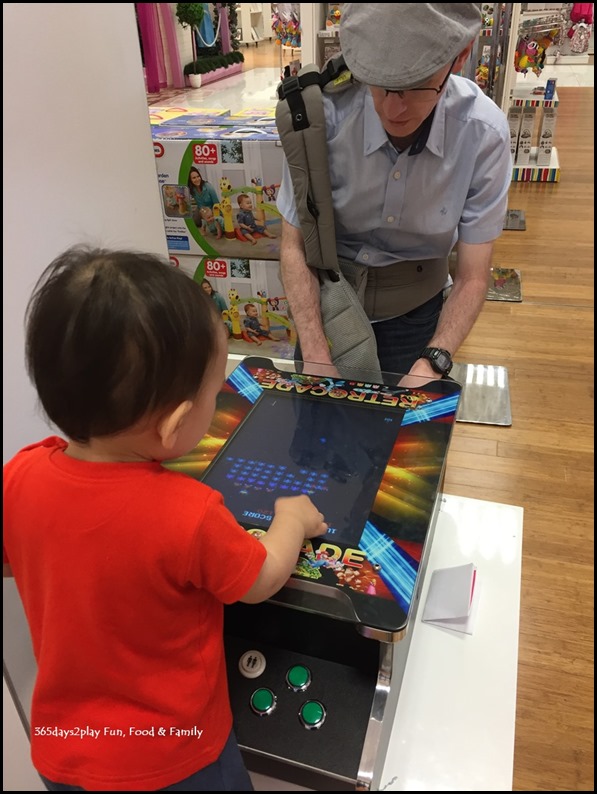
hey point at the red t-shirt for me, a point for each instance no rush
(123, 569)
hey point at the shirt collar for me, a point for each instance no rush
(432, 134)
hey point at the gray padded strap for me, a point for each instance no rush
(308, 164)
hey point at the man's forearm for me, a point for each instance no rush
(463, 305)
(466, 298)
(301, 286)
(459, 313)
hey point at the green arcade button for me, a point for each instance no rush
(263, 701)
(312, 714)
(298, 678)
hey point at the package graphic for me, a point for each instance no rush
(251, 300)
(218, 188)
(158, 114)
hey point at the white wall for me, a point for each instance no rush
(183, 38)
(78, 167)
(18, 772)
(312, 21)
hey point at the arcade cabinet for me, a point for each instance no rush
(315, 672)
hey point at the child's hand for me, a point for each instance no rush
(302, 510)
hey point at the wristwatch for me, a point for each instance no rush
(440, 360)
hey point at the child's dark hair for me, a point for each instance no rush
(112, 336)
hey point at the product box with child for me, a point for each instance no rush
(218, 189)
(250, 298)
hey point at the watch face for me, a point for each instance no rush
(440, 360)
(443, 362)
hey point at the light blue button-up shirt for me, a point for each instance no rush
(390, 206)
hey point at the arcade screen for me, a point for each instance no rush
(334, 452)
(370, 456)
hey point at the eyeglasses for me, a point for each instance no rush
(416, 95)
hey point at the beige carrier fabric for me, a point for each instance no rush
(349, 333)
(346, 326)
(394, 290)
(307, 157)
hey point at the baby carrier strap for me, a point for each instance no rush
(301, 125)
(300, 119)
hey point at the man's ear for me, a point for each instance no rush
(462, 58)
(169, 426)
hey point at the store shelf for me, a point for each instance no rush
(328, 33)
(522, 96)
(538, 173)
(252, 23)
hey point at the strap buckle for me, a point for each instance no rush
(333, 69)
(288, 86)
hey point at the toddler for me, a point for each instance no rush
(124, 566)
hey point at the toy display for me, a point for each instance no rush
(482, 71)
(219, 186)
(515, 220)
(580, 38)
(531, 51)
(286, 25)
(482, 76)
(334, 15)
(250, 298)
(488, 17)
(505, 285)
(580, 13)
(546, 136)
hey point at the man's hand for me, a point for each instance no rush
(420, 374)
(319, 370)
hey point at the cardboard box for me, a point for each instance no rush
(256, 112)
(240, 283)
(235, 162)
(525, 138)
(208, 131)
(514, 120)
(548, 126)
(159, 114)
(200, 121)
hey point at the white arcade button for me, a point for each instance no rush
(251, 664)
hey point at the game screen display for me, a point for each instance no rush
(370, 457)
(336, 453)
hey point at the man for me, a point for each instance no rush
(419, 160)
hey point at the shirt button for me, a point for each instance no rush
(365, 257)
(397, 174)
(391, 219)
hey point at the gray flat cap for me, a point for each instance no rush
(400, 45)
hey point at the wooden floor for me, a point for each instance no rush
(267, 53)
(544, 462)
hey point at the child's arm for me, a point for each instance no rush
(295, 518)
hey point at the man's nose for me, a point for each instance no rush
(394, 104)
